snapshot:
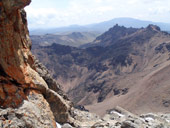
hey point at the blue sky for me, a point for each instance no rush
(57, 13)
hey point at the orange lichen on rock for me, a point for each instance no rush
(22, 89)
(11, 94)
(15, 54)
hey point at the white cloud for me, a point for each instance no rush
(91, 11)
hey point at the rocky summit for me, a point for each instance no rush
(31, 98)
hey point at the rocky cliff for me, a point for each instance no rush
(27, 98)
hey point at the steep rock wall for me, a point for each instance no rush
(25, 98)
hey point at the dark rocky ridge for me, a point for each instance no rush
(111, 36)
(93, 74)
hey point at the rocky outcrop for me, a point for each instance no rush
(58, 100)
(27, 98)
(120, 118)
(33, 113)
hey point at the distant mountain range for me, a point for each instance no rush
(75, 39)
(102, 27)
(128, 67)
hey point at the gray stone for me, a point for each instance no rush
(67, 126)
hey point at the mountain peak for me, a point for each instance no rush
(117, 26)
(114, 34)
(153, 27)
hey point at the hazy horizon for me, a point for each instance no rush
(52, 13)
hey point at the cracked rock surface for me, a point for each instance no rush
(27, 99)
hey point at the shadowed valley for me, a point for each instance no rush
(124, 66)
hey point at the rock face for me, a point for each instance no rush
(15, 56)
(59, 102)
(27, 98)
